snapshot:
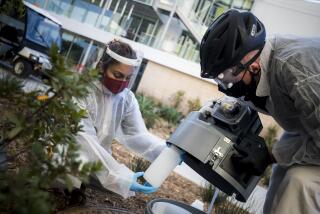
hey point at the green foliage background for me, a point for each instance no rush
(37, 137)
(12, 8)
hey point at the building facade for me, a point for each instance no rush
(168, 33)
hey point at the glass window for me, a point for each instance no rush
(92, 14)
(95, 2)
(73, 49)
(149, 2)
(38, 3)
(41, 30)
(79, 11)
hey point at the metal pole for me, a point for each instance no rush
(114, 11)
(46, 4)
(85, 58)
(106, 7)
(214, 197)
(123, 9)
(153, 31)
(135, 35)
(130, 12)
(101, 3)
(69, 49)
(167, 24)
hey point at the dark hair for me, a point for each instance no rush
(121, 48)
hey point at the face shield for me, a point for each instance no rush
(115, 85)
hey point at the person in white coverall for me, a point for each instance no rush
(113, 113)
(280, 77)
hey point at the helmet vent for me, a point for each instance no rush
(247, 23)
(222, 31)
(238, 40)
(258, 27)
(221, 54)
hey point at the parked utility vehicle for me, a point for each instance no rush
(25, 41)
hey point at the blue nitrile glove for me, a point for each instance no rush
(183, 157)
(145, 188)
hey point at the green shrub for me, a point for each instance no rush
(194, 105)
(38, 131)
(207, 192)
(227, 207)
(221, 205)
(265, 178)
(177, 98)
(13, 8)
(270, 138)
(170, 114)
(149, 109)
(138, 164)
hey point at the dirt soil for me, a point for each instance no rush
(175, 187)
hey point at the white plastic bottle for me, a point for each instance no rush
(161, 167)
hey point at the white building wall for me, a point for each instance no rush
(299, 17)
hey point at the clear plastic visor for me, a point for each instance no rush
(127, 61)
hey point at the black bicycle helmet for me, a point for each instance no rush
(228, 39)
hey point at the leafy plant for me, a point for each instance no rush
(37, 140)
(270, 138)
(194, 105)
(207, 193)
(138, 164)
(14, 8)
(177, 98)
(265, 178)
(170, 114)
(227, 207)
(149, 109)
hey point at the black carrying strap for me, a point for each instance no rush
(241, 67)
(253, 155)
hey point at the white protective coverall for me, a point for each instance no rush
(115, 116)
(290, 77)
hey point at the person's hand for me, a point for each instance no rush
(183, 157)
(253, 156)
(144, 188)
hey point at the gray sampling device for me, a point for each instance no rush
(208, 137)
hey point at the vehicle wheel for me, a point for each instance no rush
(22, 68)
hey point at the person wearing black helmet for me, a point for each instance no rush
(280, 76)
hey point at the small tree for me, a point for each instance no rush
(13, 8)
(37, 140)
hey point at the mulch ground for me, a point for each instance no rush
(175, 187)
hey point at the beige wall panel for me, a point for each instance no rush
(161, 83)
